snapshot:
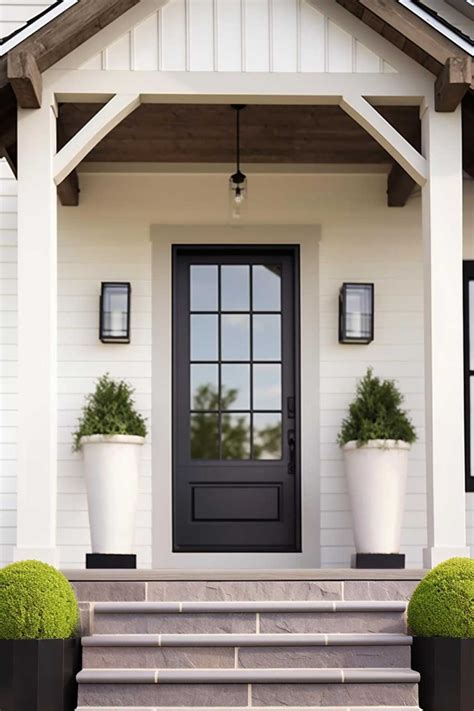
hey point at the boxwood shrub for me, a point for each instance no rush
(443, 603)
(36, 602)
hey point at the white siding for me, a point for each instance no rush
(238, 35)
(107, 237)
(469, 254)
(8, 371)
(91, 250)
(14, 13)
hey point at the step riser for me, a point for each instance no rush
(245, 657)
(88, 591)
(258, 695)
(266, 623)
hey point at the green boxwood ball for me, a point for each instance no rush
(36, 602)
(443, 603)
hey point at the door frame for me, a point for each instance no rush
(164, 237)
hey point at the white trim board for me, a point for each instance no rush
(163, 238)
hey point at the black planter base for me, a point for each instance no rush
(39, 675)
(446, 667)
(110, 560)
(378, 560)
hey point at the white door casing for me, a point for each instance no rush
(163, 238)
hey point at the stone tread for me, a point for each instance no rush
(247, 640)
(245, 708)
(248, 676)
(326, 606)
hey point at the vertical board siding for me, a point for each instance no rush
(228, 36)
(239, 35)
(8, 366)
(173, 26)
(15, 13)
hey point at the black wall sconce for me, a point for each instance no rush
(114, 324)
(356, 313)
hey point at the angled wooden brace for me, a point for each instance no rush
(109, 116)
(388, 137)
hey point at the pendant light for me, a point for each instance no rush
(238, 181)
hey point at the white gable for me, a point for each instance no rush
(239, 36)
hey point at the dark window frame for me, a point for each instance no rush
(468, 276)
(206, 251)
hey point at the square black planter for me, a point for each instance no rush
(447, 673)
(112, 561)
(379, 561)
(39, 675)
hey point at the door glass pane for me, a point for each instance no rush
(235, 437)
(471, 325)
(267, 436)
(204, 337)
(203, 287)
(266, 283)
(267, 337)
(235, 288)
(267, 387)
(204, 387)
(204, 436)
(235, 337)
(235, 388)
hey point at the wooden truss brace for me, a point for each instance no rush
(118, 108)
(412, 162)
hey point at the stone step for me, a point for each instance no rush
(246, 651)
(247, 617)
(247, 687)
(245, 708)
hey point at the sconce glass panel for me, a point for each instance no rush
(356, 313)
(115, 312)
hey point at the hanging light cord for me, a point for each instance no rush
(238, 137)
(238, 176)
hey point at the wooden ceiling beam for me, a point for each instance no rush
(453, 83)
(25, 79)
(400, 186)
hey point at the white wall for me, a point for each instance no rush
(469, 254)
(107, 237)
(8, 414)
(14, 13)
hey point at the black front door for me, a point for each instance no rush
(236, 399)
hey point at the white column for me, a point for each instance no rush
(37, 357)
(443, 253)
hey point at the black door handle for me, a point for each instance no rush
(292, 448)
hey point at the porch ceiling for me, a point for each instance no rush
(198, 133)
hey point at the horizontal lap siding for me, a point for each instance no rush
(367, 244)
(8, 366)
(15, 13)
(92, 251)
(107, 238)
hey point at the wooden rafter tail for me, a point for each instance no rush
(25, 79)
(68, 190)
(453, 83)
(400, 186)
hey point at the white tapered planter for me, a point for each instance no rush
(111, 464)
(377, 478)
